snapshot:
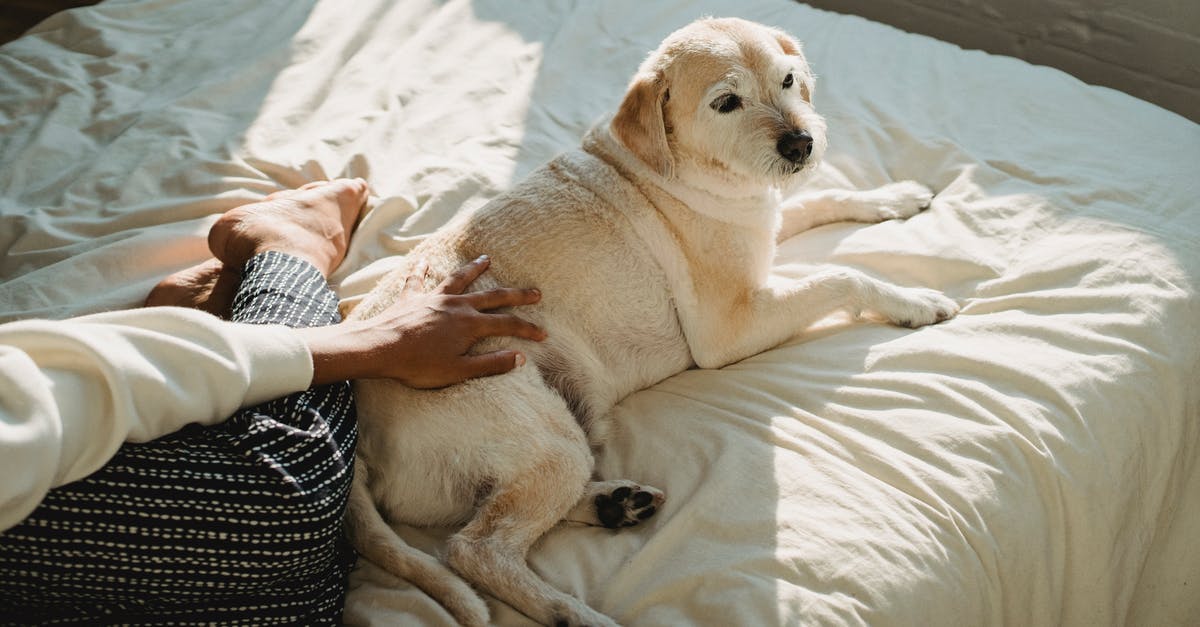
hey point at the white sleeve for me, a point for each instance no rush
(72, 391)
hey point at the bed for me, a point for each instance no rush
(1031, 462)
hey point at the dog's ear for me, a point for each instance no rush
(791, 47)
(789, 44)
(640, 122)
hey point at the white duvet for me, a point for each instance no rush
(1031, 462)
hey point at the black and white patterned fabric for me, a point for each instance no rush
(233, 524)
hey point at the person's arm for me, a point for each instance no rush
(72, 391)
(423, 340)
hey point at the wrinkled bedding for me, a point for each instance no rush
(1031, 462)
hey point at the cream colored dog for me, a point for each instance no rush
(652, 246)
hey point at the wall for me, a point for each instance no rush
(1149, 48)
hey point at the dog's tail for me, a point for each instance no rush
(377, 542)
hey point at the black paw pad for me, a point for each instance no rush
(609, 510)
(625, 506)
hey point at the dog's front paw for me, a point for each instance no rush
(918, 307)
(901, 200)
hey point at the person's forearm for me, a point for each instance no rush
(72, 391)
(341, 352)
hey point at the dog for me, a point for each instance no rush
(652, 244)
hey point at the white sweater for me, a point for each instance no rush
(72, 391)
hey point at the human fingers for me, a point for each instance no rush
(470, 367)
(458, 280)
(491, 364)
(503, 297)
(496, 325)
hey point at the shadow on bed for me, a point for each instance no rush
(121, 125)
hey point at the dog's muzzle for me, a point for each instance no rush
(795, 146)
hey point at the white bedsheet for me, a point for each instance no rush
(1031, 462)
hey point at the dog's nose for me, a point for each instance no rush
(795, 146)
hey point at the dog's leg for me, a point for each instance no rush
(377, 542)
(896, 200)
(767, 316)
(614, 504)
(491, 549)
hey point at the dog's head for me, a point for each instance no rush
(723, 99)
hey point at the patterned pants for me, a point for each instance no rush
(238, 523)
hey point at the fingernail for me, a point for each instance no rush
(520, 360)
(536, 292)
(481, 259)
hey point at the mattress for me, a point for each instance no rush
(1031, 462)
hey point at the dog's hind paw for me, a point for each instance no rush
(625, 506)
(616, 504)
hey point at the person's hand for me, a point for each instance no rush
(422, 340)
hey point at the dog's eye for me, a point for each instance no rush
(787, 81)
(727, 103)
